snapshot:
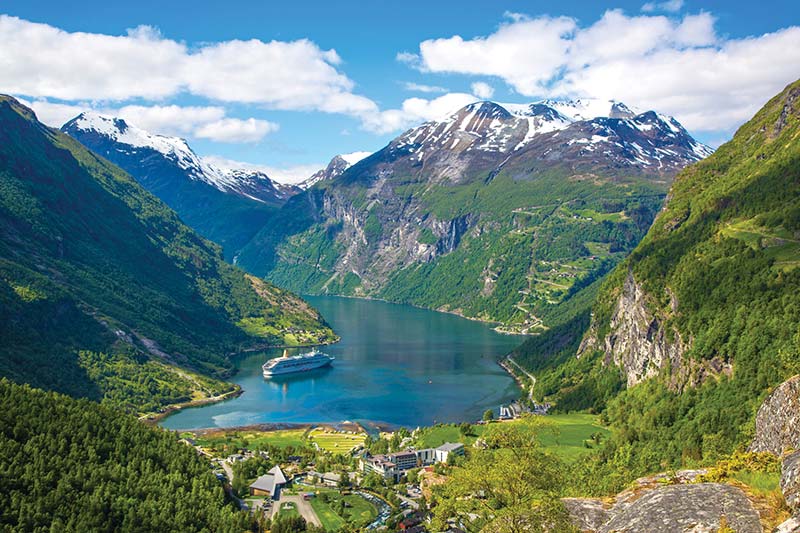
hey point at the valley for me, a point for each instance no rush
(549, 284)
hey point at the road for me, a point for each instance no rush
(530, 376)
(229, 472)
(303, 507)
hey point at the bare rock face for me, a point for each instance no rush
(692, 507)
(639, 343)
(790, 481)
(587, 514)
(790, 526)
(695, 508)
(778, 420)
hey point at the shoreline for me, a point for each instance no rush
(498, 326)
(155, 418)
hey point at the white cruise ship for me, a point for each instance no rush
(296, 363)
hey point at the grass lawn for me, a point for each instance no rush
(288, 509)
(572, 431)
(358, 511)
(231, 440)
(438, 435)
(566, 440)
(330, 520)
(336, 442)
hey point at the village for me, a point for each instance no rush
(343, 478)
(333, 477)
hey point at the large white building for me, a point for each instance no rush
(394, 465)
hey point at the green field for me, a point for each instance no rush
(223, 442)
(571, 432)
(564, 435)
(777, 243)
(358, 511)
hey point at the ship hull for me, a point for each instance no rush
(306, 367)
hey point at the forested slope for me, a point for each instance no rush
(74, 466)
(99, 277)
(703, 318)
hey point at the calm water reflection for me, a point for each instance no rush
(395, 364)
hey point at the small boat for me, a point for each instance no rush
(296, 363)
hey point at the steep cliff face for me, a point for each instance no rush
(790, 481)
(639, 342)
(778, 420)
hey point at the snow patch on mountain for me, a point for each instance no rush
(506, 128)
(221, 174)
(354, 157)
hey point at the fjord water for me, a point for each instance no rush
(395, 364)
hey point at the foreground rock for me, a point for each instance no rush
(790, 481)
(778, 420)
(653, 507)
(790, 526)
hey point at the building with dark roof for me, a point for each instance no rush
(270, 484)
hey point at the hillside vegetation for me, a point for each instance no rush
(720, 271)
(97, 276)
(74, 466)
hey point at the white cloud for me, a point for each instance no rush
(526, 52)
(200, 122)
(675, 65)
(171, 120)
(671, 6)
(42, 61)
(234, 130)
(416, 110)
(418, 87)
(482, 90)
(54, 114)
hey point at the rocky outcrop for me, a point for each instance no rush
(659, 508)
(696, 508)
(790, 481)
(790, 526)
(639, 342)
(778, 420)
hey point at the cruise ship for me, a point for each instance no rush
(296, 363)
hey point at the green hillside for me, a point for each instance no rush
(720, 271)
(74, 466)
(98, 278)
(518, 247)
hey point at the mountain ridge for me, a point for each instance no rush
(226, 205)
(446, 215)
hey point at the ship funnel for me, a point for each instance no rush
(286, 353)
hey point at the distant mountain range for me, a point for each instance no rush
(500, 212)
(226, 205)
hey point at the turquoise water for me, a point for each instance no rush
(395, 365)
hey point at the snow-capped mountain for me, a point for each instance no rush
(469, 206)
(226, 203)
(335, 168)
(134, 142)
(564, 130)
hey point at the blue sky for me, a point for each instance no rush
(259, 82)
